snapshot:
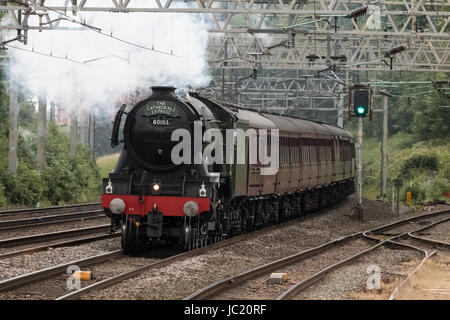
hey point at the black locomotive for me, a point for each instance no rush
(152, 198)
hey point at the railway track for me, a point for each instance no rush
(55, 270)
(396, 240)
(164, 262)
(102, 282)
(329, 253)
(426, 254)
(59, 244)
(25, 240)
(13, 222)
(50, 219)
(110, 277)
(34, 212)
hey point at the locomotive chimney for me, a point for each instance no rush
(163, 91)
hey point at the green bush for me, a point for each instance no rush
(418, 192)
(26, 188)
(62, 182)
(437, 187)
(3, 201)
(418, 163)
(69, 178)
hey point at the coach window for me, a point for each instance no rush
(293, 148)
(302, 149)
(309, 155)
(285, 151)
(327, 151)
(313, 151)
(305, 149)
(289, 150)
(281, 150)
(322, 150)
(333, 148)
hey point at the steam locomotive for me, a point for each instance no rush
(153, 199)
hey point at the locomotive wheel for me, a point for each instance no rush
(187, 235)
(127, 242)
(124, 236)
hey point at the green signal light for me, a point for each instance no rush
(360, 110)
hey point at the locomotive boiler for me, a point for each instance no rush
(154, 199)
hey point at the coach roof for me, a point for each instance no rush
(256, 120)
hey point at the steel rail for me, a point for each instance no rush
(53, 235)
(43, 209)
(412, 219)
(427, 255)
(42, 274)
(130, 274)
(433, 242)
(58, 245)
(295, 289)
(52, 271)
(305, 283)
(136, 272)
(164, 262)
(47, 220)
(408, 278)
(220, 285)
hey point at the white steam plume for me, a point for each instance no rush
(112, 68)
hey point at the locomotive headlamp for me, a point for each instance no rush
(117, 206)
(190, 208)
(202, 191)
(109, 187)
(156, 186)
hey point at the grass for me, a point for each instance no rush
(401, 149)
(430, 283)
(107, 164)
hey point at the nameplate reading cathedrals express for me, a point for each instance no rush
(167, 108)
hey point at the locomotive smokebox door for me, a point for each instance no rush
(154, 224)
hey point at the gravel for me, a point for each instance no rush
(440, 232)
(16, 266)
(185, 277)
(259, 288)
(35, 214)
(350, 281)
(33, 230)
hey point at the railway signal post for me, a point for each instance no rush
(384, 146)
(360, 106)
(397, 184)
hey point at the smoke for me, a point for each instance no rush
(110, 68)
